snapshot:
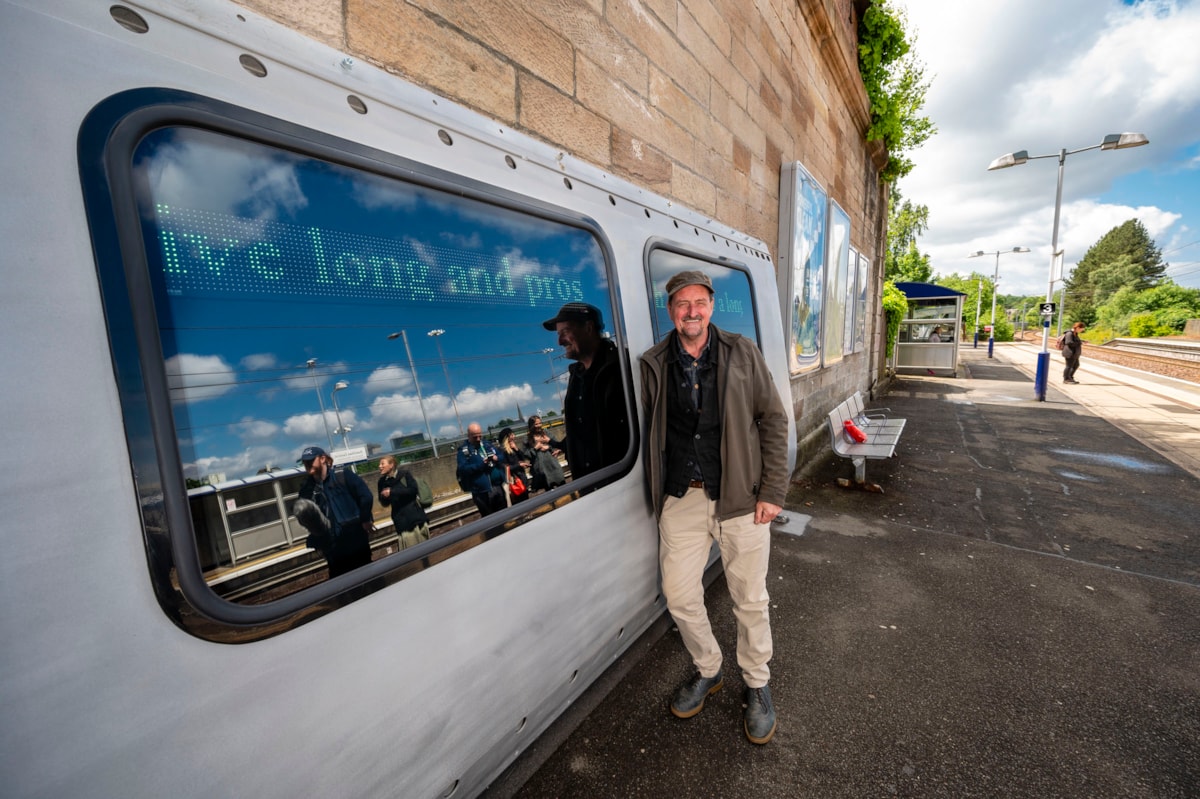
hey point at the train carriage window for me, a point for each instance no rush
(733, 300)
(305, 301)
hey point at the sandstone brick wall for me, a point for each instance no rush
(698, 100)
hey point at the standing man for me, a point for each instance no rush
(596, 421)
(478, 464)
(717, 465)
(1072, 348)
(336, 507)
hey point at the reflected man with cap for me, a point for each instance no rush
(596, 421)
(336, 507)
(716, 462)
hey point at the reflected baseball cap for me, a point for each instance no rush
(311, 454)
(576, 312)
(690, 277)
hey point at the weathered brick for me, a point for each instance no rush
(410, 42)
(741, 156)
(702, 32)
(556, 117)
(320, 19)
(630, 111)
(635, 159)
(693, 190)
(593, 37)
(667, 97)
(508, 28)
(648, 35)
(770, 98)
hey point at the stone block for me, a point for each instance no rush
(409, 42)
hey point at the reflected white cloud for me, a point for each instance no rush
(204, 176)
(388, 378)
(195, 378)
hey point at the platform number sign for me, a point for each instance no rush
(1047, 308)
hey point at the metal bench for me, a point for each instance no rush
(883, 433)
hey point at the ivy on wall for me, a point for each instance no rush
(896, 86)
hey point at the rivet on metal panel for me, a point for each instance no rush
(445, 137)
(129, 19)
(252, 65)
(347, 63)
(356, 103)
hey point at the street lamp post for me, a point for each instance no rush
(1113, 141)
(417, 383)
(995, 283)
(342, 429)
(437, 334)
(311, 363)
(978, 309)
(553, 377)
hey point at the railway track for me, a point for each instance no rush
(1171, 357)
(1168, 357)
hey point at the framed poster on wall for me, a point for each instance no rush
(860, 302)
(837, 280)
(802, 220)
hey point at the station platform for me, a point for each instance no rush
(1017, 615)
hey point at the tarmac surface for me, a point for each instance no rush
(1018, 615)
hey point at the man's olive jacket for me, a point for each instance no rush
(754, 424)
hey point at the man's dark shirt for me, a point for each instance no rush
(693, 421)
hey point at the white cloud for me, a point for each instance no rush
(200, 176)
(260, 362)
(194, 378)
(257, 430)
(1027, 74)
(388, 378)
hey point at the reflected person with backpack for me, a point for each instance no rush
(399, 490)
(337, 509)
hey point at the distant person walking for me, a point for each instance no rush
(1072, 348)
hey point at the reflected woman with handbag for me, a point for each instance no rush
(513, 457)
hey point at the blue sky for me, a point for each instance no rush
(1031, 75)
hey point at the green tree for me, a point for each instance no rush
(895, 306)
(904, 262)
(896, 86)
(1168, 304)
(1124, 256)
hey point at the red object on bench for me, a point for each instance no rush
(853, 431)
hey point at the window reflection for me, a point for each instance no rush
(302, 302)
(733, 302)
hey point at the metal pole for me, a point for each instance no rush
(1062, 304)
(554, 377)
(338, 412)
(978, 308)
(437, 339)
(420, 401)
(995, 281)
(1043, 362)
(312, 370)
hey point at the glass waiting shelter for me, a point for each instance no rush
(931, 330)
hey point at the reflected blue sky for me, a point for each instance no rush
(262, 260)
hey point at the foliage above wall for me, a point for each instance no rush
(896, 86)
